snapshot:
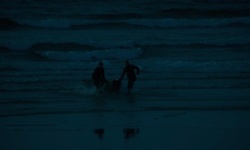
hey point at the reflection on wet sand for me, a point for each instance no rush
(99, 132)
(128, 132)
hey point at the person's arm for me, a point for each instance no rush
(94, 74)
(103, 75)
(123, 73)
(137, 69)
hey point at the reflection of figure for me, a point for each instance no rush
(98, 75)
(130, 132)
(130, 70)
(99, 132)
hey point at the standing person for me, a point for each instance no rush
(98, 75)
(129, 69)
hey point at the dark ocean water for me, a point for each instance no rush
(193, 54)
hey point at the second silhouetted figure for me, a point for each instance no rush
(98, 75)
(130, 69)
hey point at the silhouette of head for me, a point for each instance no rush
(126, 62)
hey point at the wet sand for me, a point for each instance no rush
(133, 130)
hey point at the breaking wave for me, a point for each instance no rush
(91, 55)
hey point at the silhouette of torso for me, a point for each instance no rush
(130, 70)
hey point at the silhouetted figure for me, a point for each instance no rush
(98, 75)
(130, 69)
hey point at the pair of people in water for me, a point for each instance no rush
(131, 70)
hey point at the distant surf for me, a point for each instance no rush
(91, 55)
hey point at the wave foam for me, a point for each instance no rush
(91, 55)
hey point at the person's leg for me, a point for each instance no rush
(97, 84)
(130, 85)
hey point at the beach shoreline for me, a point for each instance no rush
(190, 129)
